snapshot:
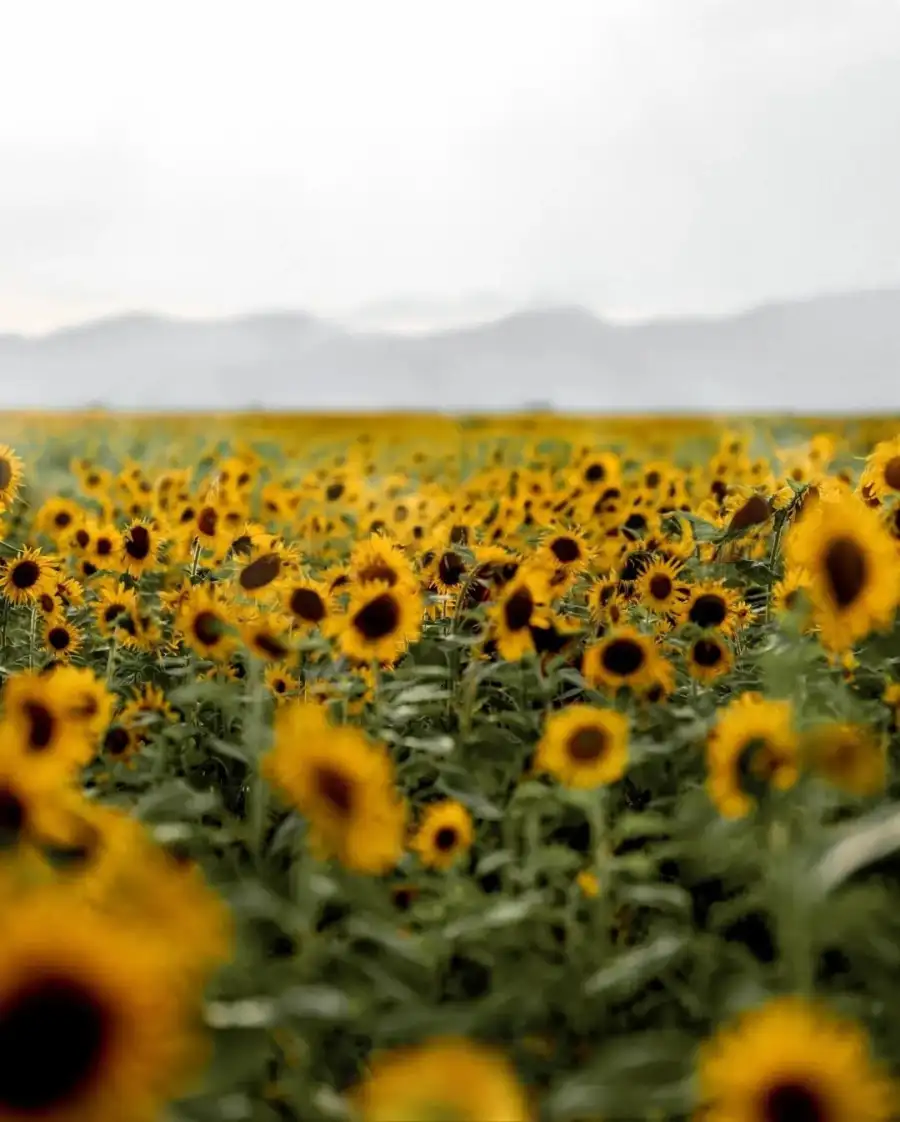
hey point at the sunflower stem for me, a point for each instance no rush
(32, 634)
(253, 735)
(4, 625)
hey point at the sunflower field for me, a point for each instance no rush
(528, 769)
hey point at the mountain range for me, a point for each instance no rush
(837, 353)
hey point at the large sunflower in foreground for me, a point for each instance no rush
(850, 559)
(792, 1061)
(10, 476)
(40, 725)
(444, 1078)
(381, 620)
(752, 746)
(342, 784)
(584, 746)
(90, 1016)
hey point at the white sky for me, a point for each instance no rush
(641, 157)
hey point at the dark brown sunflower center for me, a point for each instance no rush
(207, 521)
(112, 611)
(137, 544)
(208, 628)
(757, 762)
(116, 741)
(661, 586)
(307, 605)
(378, 570)
(891, 473)
(451, 568)
(104, 547)
(623, 657)
(41, 725)
(708, 610)
(25, 575)
(59, 638)
(565, 550)
(595, 473)
(82, 539)
(754, 511)
(445, 839)
(5, 474)
(379, 618)
(334, 491)
(586, 745)
(12, 817)
(336, 789)
(269, 645)
(793, 1102)
(59, 1020)
(707, 653)
(62, 519)
(845, 568)
(518, 610)
(260, 572)
(652, 479)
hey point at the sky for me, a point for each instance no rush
(411, 161)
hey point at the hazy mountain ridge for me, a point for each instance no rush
(831, 353)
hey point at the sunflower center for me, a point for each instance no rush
(260, 572)
(63, 1023)
(623, 657)
(445, 839)
(112, 611)
(380, 571)
(845, 567)
(82, 538)
(754, 511)
(41, 724)
(12, 817)
(59, 638)
(307, 604)
(793, 1102)
(652, 479)
(707, 653)
(104, 547)
(25, 575)
(137, 544)
(116, 741)
(660, 586)
(891, 473)
(708, 610)
(336, 789)
(270, 645)
(565, 550)
(207, 521)
(595, 473)
(334, 491)
(62, 519)
(208, 628)
(379, 618)
(450, 568)
(518, 609)
(586, 745)
(756, 764)
(5, 474)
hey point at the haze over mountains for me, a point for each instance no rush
(832, 353)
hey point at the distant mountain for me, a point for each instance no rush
(826, 354)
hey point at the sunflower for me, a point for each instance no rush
(444, 569)
(658, 587)
(121, 742)
(308, 602)
(205, 624)
(342, 784)
(88, 703)
(37, 722)
(266, 636)
(61, 639)
(140, 548)
(444, 834)
(146, 710)
(851, 559)
(280, 684)
(624, 657)
(27, 577)
(27, 801)
(260, 572)
(98, 1002)
(566, 549)
(850, 757)
(381, 620)
(106, 545)
(114, 603)
(10, 476)
(791, 1059)
(710, 605)
(377, 560)
(881, 475)
(57, 518)
(709, 657)
(520, 607)
(753, 745)
(584, 746)
(442, 1078)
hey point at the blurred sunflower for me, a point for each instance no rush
(658, 587)
(205, 623)
(139, 548)
(709, 657)
(521, 606)
(752, 746)
(710, 605)
(381, 620)
(584, 746)
(11, 470)
(37, 722)
(850, 757)
(624, 657)
(444, 834)
(61, 638)
(308, 602)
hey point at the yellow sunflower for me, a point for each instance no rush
(709, 657)
(711, 605)
(10, 476)
(881, 475)
(204, 622)
(584, 746)
(97, 1001)
(624, 657)
(851, 559)
(308, 602)
(850, 757)
(61, 639)
(753, 745)
(139, 551)
(791, 1060)
(38, 724)
(442, 1078)
(658, 587)
(521, 606)
(342, 784)
(27, 577)
(444, 834)
(381, 621)
(378, 560)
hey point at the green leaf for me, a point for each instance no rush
(635, 967)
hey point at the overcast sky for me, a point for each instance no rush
(641, 157)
